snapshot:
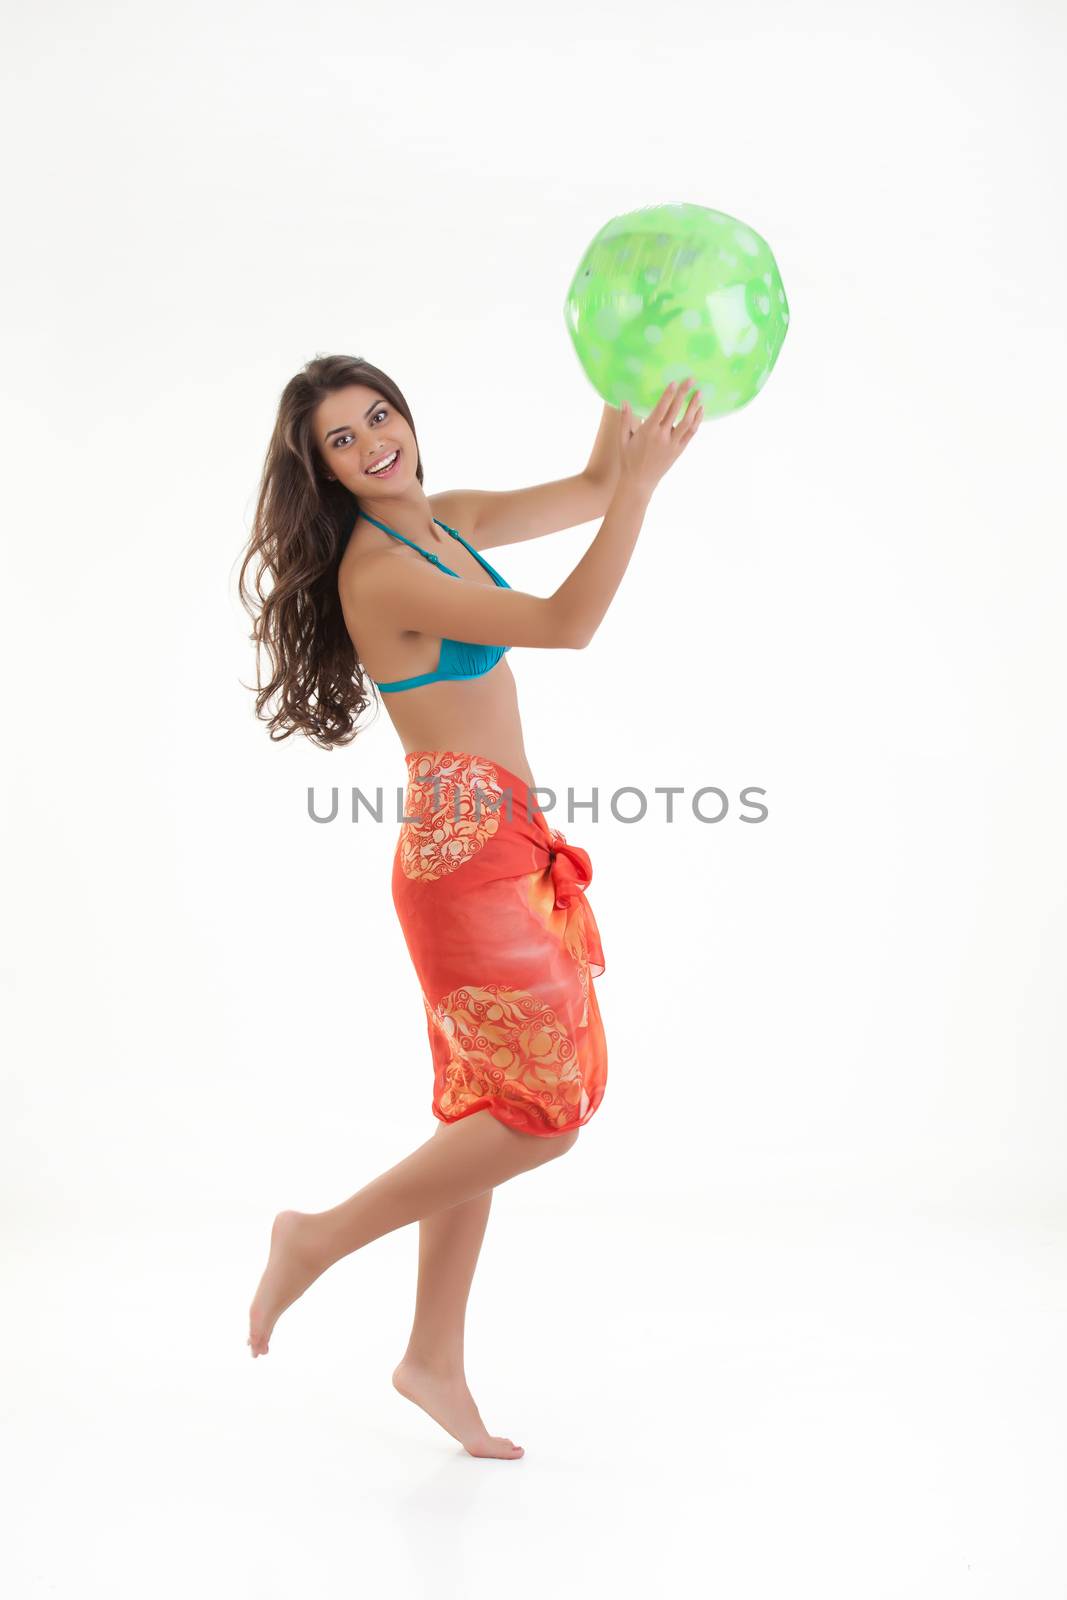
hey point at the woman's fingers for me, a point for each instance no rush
(690, 424)
(667, 401)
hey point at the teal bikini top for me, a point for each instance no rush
(457, 659)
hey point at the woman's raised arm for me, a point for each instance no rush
(413, 594)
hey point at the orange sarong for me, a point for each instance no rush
(504, 943)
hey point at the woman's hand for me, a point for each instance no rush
(649, 449)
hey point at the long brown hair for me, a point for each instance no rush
(300, 528)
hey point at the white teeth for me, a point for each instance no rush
(380, 466)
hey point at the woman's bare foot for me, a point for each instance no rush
(292, 1267)
(448, 1401)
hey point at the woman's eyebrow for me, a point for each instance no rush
(347, 425)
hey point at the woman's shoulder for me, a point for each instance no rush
(366, 553)
(367, 545)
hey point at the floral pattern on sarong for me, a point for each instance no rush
(511, 1048)
(504, 951)
(463, 819)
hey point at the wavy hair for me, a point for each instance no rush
(299, 531)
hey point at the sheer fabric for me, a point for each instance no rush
(504, 943)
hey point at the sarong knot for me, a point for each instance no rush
(572, 870)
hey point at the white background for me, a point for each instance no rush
(790, 1318)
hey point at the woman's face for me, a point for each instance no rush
(356, 428)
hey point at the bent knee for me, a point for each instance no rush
(559, 1142)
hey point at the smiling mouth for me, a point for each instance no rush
(386, 472)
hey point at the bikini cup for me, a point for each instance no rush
(458, 658)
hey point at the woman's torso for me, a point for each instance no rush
(478, 715)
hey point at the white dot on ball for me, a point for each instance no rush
(748, 241)
(691, 319)
(651, 275)
(653, 335)
(781, 296)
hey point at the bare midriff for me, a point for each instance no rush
(479, 716)
(476, 715)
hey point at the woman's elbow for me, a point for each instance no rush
(568, 632)
(574, 639)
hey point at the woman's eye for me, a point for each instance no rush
(377, 414)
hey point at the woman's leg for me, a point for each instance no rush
(460, 1161)
(449, 1245)
(431, 1372)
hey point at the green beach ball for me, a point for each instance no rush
(674, 291)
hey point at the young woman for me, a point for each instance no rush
(373, 578)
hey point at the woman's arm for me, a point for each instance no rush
(413, 594)
(584, 597)
(605, 461)
(491, 517)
